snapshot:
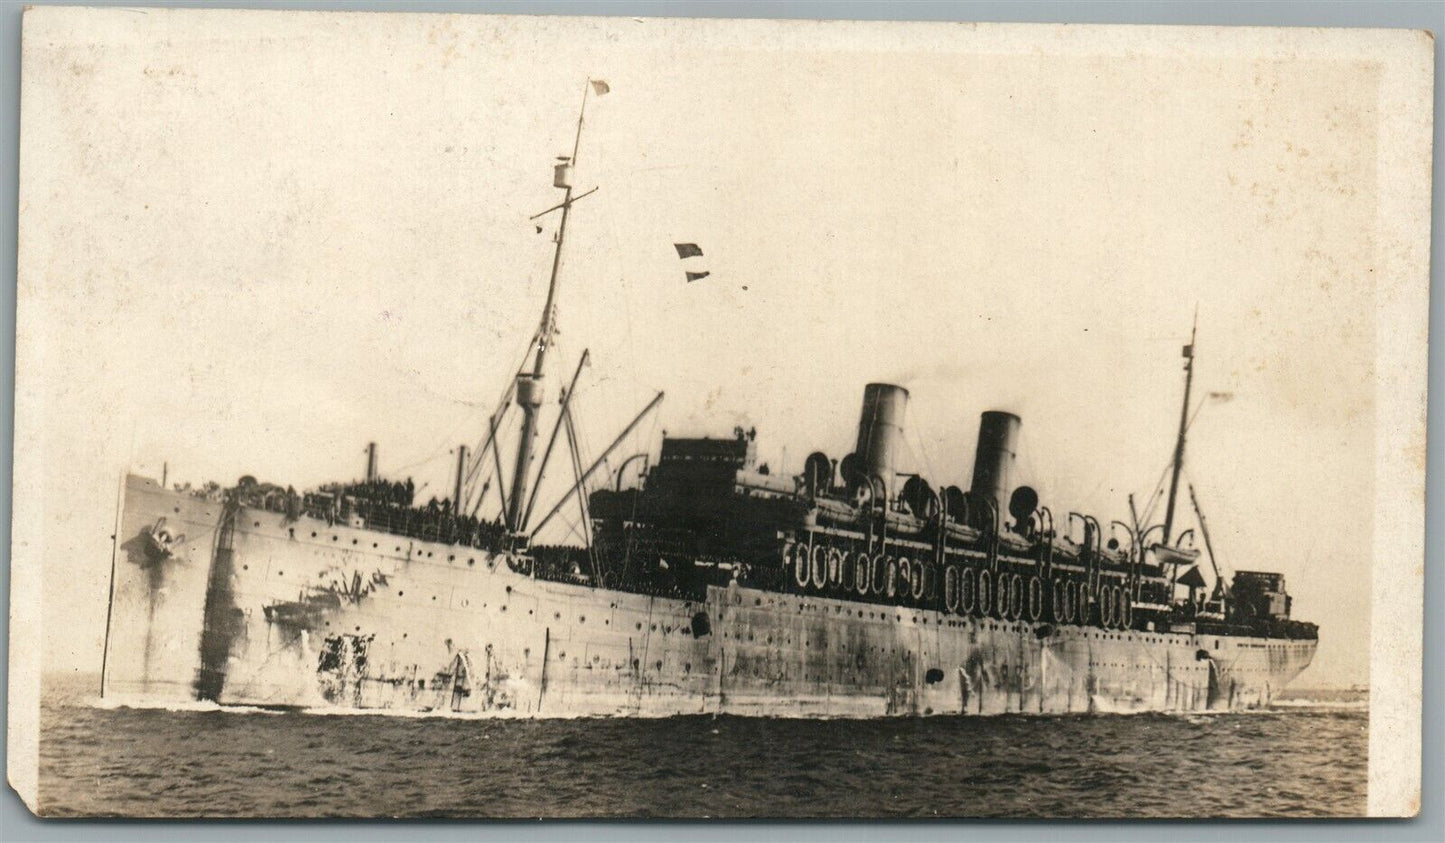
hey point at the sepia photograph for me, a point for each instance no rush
(438, 415)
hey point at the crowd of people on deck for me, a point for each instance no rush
(375, 504)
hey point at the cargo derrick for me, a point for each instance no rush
(707, 514)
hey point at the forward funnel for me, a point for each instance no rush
(880, 431)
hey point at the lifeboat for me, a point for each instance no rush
(1165, 555)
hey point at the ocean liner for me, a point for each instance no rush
(709, 585)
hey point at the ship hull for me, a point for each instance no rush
(264, 610)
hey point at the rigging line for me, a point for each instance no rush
(467, 495)
(1214, 553)
(567, 397)
(496, 423)
(486, 469)
(434, 455)
(502, 406)
(572, 530)
(650, 438)
(626, 299)
(501, 490)
(1030, 470)
(1197, 410)
(581, 495)
(447, 444)
(1154, 495)
(478, 484)
(504, 400)
(922, 456)
(1045, 475)
(610, 448)
(1159, 487)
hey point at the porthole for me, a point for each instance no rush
(313, 534)
(257, 524)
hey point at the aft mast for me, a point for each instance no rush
(529, 384)
(1183, 428)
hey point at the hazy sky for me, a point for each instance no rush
(253, 244)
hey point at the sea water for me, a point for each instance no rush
(1304, 757)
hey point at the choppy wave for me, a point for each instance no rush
(1304, 758)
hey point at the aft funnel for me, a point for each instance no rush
(993, 462)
